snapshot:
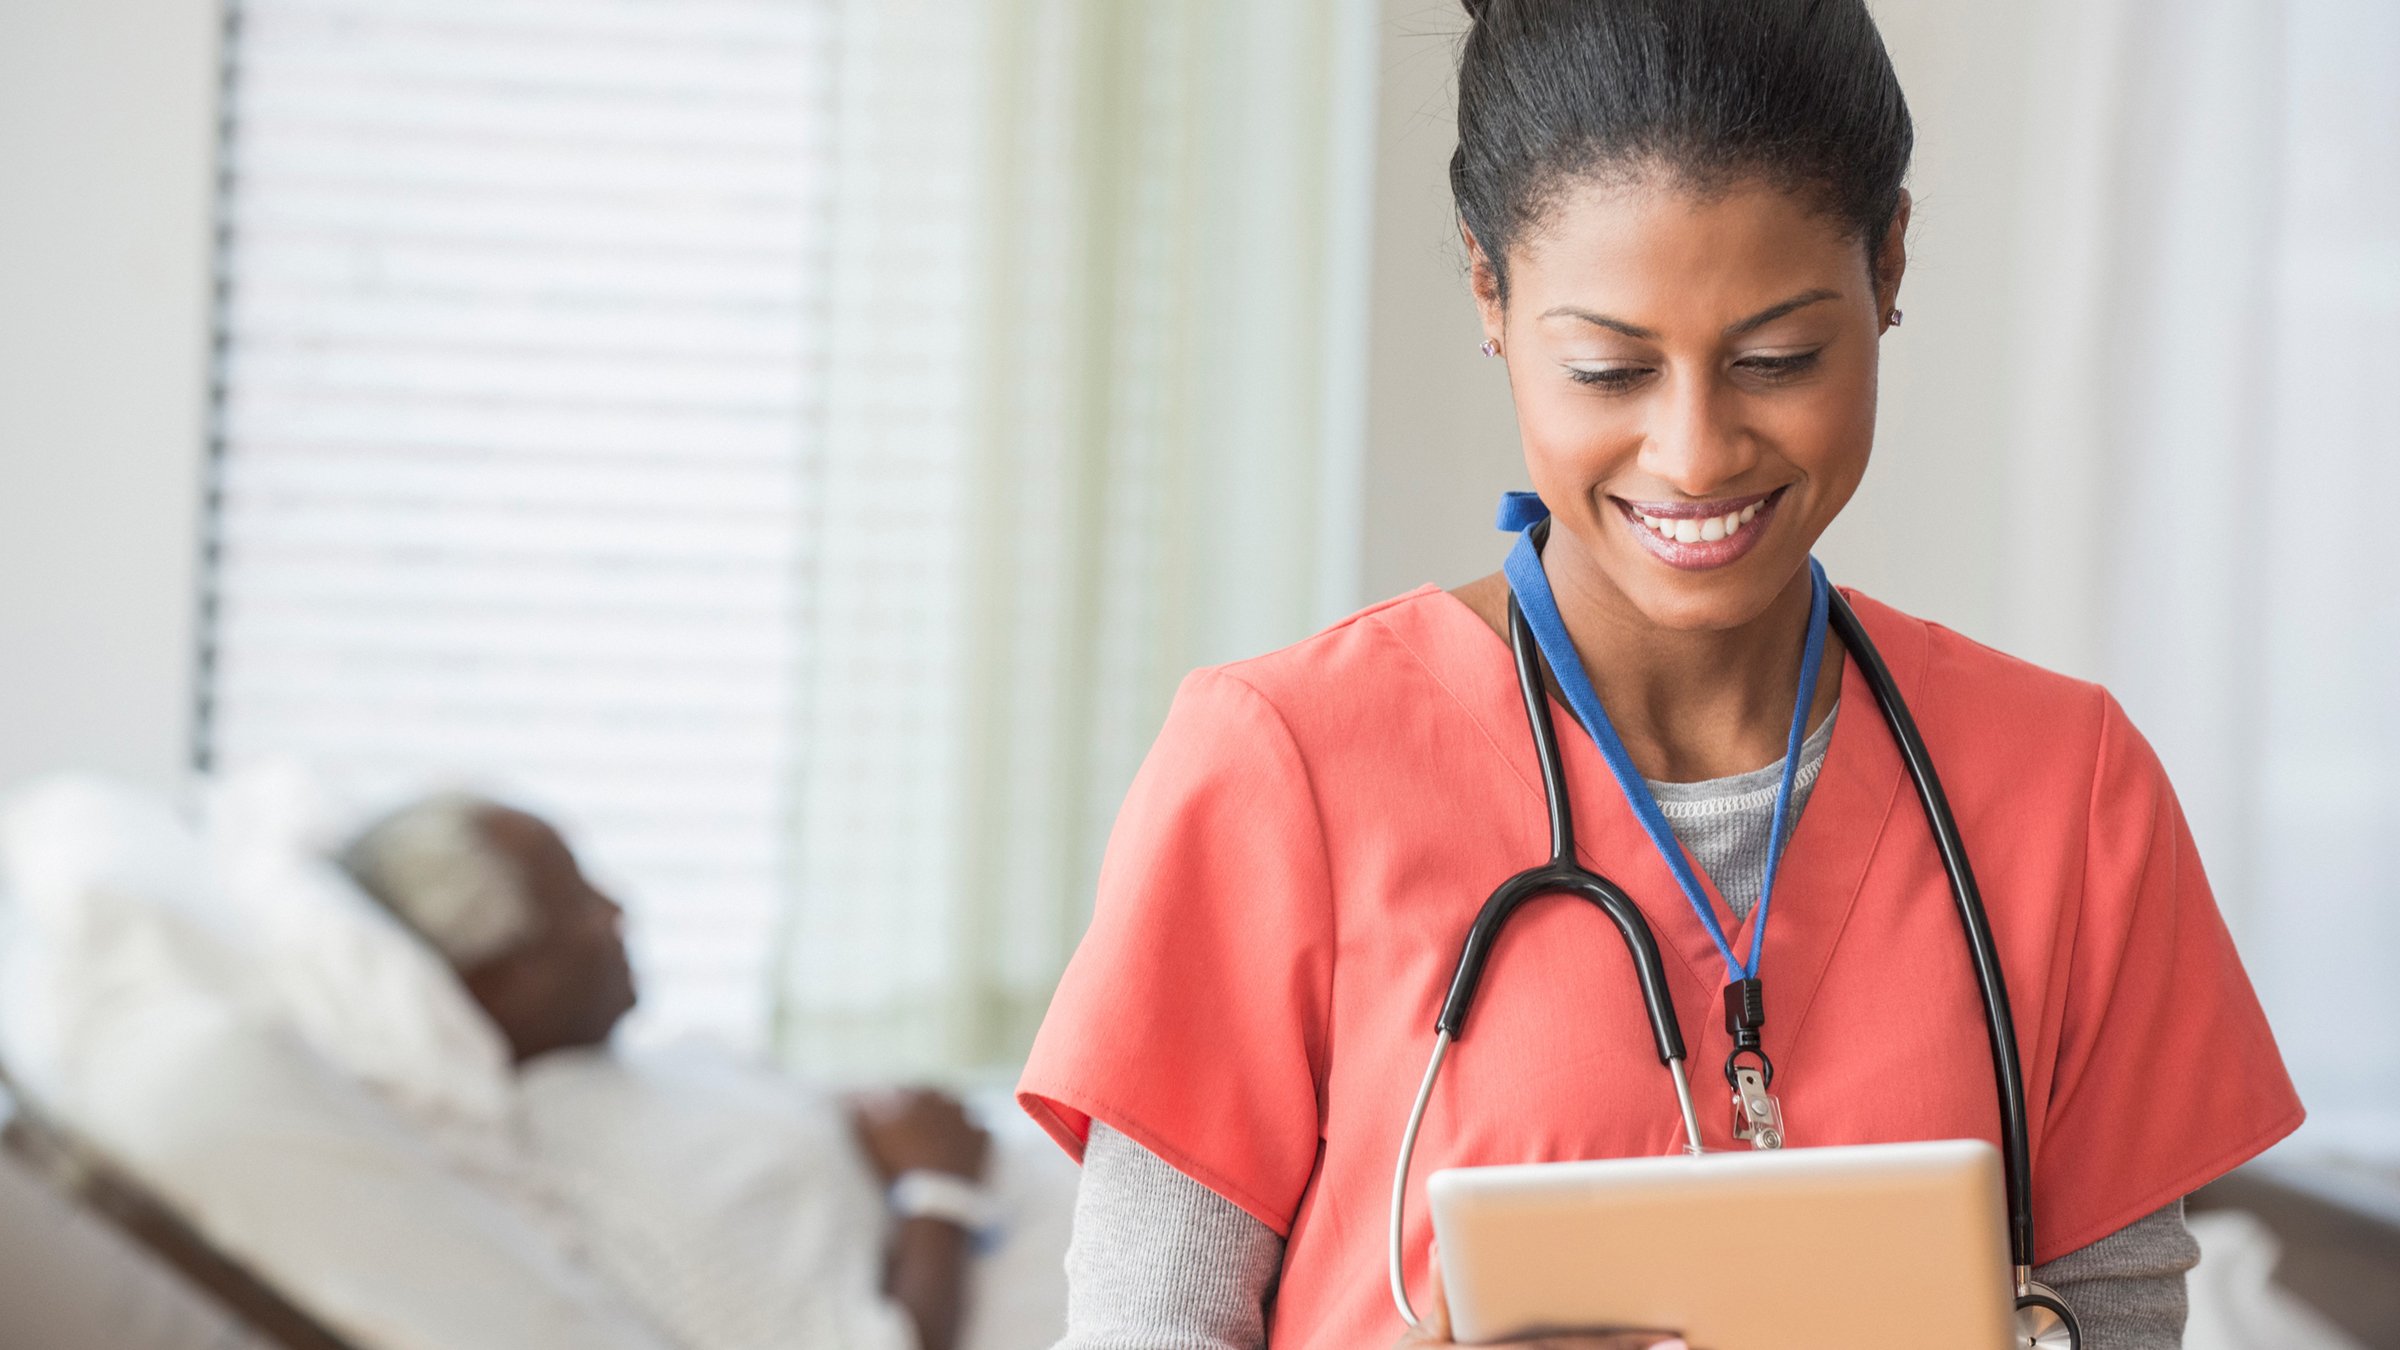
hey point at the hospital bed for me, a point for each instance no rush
(91, 1252)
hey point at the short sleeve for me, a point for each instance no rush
(2166, 1075)
(1193, 1016)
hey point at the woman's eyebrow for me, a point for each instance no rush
(1634, 330)
(1773, 312)
(1631, 330)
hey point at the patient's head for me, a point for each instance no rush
(498, 893)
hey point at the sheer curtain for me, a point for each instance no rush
(2205, 453)
(1091, 419)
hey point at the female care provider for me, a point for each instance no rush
(1685, 224)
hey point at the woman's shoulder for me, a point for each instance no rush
(1393, 648)
(1974, 700)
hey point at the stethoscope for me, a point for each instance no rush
(2043, 1319)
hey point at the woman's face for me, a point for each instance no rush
(1695, 384)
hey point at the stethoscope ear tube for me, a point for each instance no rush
(1999, 1024)
(1534, 689)
(1648, 970)
(1560, 876)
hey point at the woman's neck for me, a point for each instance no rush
(1688, 704)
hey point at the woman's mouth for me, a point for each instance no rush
(1696, 536)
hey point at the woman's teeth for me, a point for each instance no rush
(1687, 530)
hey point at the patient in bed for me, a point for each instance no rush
(736, 1206)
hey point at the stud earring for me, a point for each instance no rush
(1895, 318)
(1490, 348)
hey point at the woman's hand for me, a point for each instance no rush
(1434, 1330)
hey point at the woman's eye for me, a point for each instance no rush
(1619, 379)
(1779, 367)
(1608, 377)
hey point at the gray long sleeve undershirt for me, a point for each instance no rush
(1160, 1262)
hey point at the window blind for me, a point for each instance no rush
(521, 357)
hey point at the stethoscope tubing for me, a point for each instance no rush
(1562, 875)
(1999, 1024)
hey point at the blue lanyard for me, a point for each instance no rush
(1521, 511)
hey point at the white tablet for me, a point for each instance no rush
(1867, 1247)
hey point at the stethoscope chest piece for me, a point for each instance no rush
(2043, 1322)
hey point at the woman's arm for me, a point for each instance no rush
(2127, 1290)
(1159, 1261)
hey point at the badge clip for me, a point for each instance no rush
(1757, 1116)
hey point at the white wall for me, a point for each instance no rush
(1926, 530)
(107, 114)
(1441, 432)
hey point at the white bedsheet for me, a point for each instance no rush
(732, 1203)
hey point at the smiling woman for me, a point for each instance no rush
(1694, 373)
(1676, 409)
(1686, 229)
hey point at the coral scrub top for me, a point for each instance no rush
(1299, 858)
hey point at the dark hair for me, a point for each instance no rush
(1553, 93)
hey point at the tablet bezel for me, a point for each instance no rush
(1854, 1246)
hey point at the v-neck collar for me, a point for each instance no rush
(1825, 861)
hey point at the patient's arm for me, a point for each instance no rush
(928, 1273)
(913, 1131)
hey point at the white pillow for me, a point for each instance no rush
(359, 988)
(106, 892)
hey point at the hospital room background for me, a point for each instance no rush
(796, 447)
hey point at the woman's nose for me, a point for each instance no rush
(1697, 443)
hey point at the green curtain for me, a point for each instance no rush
(1091, 419)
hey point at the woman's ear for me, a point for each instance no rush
(1891, 260)
(1485, 283)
